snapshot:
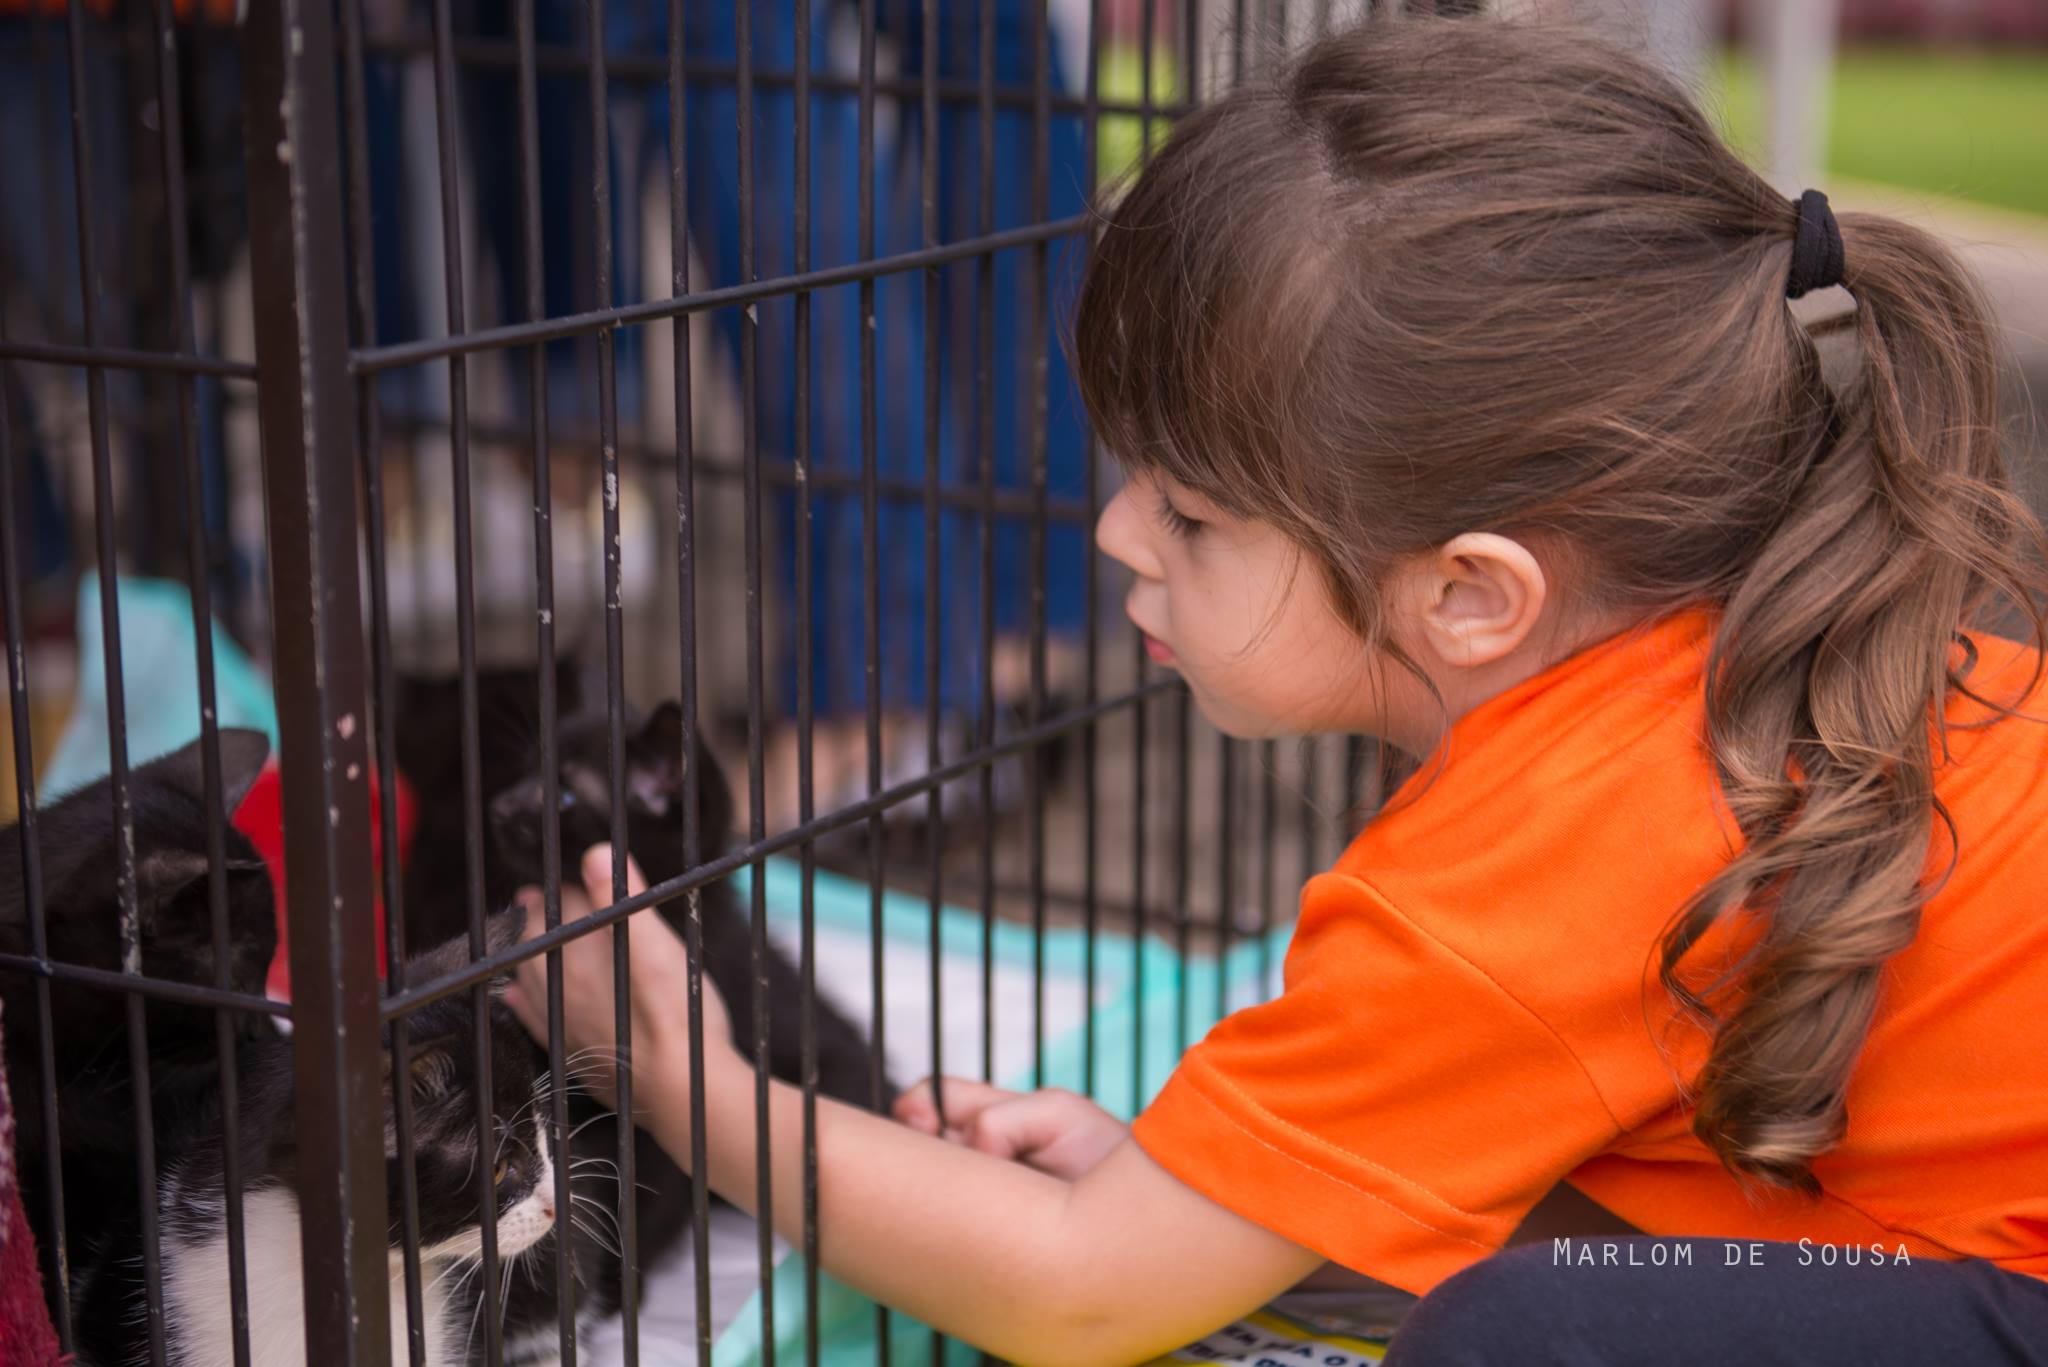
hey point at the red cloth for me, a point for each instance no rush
(26, 1336)
(261, 819)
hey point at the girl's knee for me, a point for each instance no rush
(1482, 1314)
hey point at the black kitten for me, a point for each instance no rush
(449, 1156)
(655, 773)
(88, 1039)
(427, 736)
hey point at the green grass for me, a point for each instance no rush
(1969, 124)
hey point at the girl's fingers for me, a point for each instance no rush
(1021, 1127)
(574, 906)
(532, 1016)
(1054, 1131)
(597, 879)
(597, 875)
(528, 970)
(965, 1099)
(914, 1107)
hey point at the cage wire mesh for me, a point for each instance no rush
(475, 397)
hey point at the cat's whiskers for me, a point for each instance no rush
(530, 1108)
(504, 1290)
(602, 1229)
(602, 1115)
(465, 1266)
(606, 1240)
(588, 1051)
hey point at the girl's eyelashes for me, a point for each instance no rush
(1177, 522)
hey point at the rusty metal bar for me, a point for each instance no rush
(307, 405)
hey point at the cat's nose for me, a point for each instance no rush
(547, 1204)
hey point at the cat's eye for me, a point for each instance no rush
(504, 1170)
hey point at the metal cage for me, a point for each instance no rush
(333, 499)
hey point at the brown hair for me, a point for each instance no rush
(1442, 276)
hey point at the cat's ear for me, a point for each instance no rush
(162, 874)
(659, 771)
(242, 756)
(429, 1067)
(433, 1071)
(655, 780)
(504, 929)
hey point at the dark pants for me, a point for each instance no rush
(1592, 1302)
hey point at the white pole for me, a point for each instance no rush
(1795, 43)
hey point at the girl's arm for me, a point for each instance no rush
(1117, 1267)
(1124, 1264)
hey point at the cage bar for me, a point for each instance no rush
(295, 202)
(871, 578)
(806, 719)
(383, 688)
(1091, 646)
(984, 427)
(764, 1213)
(56, 1259)
(1034, 768)
(170, 148)
(686, 633)
(546, 701)
(91, 307)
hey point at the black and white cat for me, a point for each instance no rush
(436, 878)
(448, 1153)
(94, 1089)
(655, 773)
(656, 770)
(88, 1040)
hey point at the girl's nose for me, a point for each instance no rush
(1121, 534)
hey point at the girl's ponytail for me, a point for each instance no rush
(1825, 695)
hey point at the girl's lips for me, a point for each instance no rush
(1160, 652)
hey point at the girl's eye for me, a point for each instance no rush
(568, 800)
(504, 1170)
(1177, 522)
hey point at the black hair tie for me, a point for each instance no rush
(1816, 247)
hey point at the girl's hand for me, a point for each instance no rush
(1053, 1130)
(659, 986)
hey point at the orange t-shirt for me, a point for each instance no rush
(1472, 1013)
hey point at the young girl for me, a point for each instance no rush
(1461, 404)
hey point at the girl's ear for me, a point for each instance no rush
(1474, 599)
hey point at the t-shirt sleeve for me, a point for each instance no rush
(1395, 1108)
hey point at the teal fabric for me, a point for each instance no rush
(160, 677)
(848, 1325)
